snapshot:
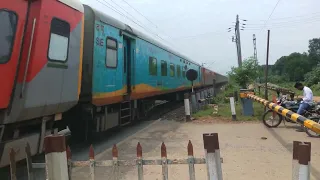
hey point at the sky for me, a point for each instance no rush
(198, 28)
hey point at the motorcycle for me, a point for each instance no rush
(312, 113)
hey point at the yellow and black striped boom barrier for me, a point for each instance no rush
(315, 127)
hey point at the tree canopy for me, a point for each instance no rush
(298, 66)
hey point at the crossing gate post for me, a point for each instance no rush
(165, 174)
(301, 156)
(304, 161)
(187, 106)
(201, 97)
(205, 94)
(212, 154)
(139, 161)
(56, 157)
(192, 174)
(198, 98)
(233, 108)
(194, 102)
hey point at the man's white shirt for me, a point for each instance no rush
(307, 95)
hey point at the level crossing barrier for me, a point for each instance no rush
(310, 124)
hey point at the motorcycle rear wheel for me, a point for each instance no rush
(276, 120)
(309, 131)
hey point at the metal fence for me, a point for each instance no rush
(59, 163)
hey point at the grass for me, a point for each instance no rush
(225, 112)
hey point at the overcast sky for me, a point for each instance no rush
(198, 28)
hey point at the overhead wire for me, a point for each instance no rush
(292, 24)
(107, 4)
(289, 17)
(146, 18)
(270, 15)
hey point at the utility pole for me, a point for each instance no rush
(234, 40)
(238, 42)
(254, 47)
(255, 56)
(266, 69)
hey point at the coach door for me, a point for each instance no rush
(128, 62)
(13, 16)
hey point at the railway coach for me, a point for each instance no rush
(63, 64)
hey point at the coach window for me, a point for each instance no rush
(152, 66)
(8, 20)
(172, 70)
(112, 51)
(59, 40)
(178, 71)
(164, 68)
(183, 73)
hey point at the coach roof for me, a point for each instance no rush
(126, 28)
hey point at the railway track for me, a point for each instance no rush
(104, 141)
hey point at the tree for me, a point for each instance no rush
(292, 67)
(247, 73)
(314, 51)
(312, 77)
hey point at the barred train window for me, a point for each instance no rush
(172, 70)
(59, 40)
(178, 71)
(8, 20)
(152, 66)
(164, 68)
(112, 53)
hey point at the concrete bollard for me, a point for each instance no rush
(193, 102)
(304, 160)
(301, 168)
(187, 106)
(233, 109)
(56, 157)
(210, 155)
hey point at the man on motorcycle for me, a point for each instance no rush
(306, 101)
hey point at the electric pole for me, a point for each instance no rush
(254, 47)
(266, 68)
(234, 40)
(238, 42)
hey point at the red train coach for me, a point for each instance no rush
(208, 76)
(40, 69)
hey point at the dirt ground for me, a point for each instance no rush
(246, 155)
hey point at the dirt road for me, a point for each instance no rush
(246, 156)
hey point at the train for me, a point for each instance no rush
(64, 64)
